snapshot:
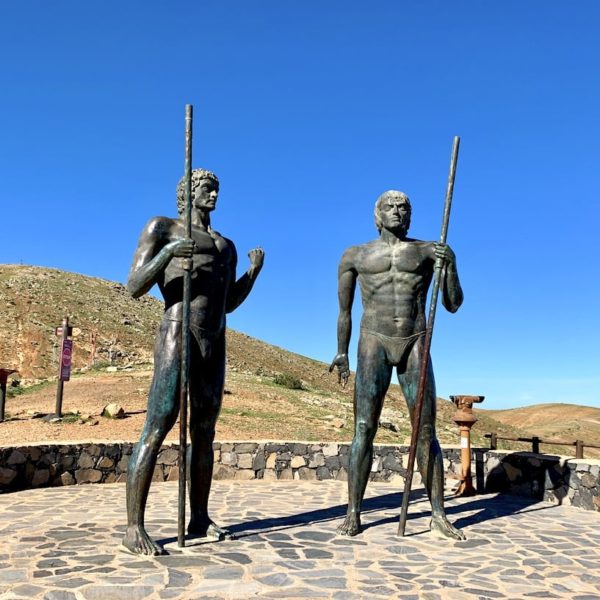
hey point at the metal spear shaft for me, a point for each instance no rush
(185, 331)
(416, 421)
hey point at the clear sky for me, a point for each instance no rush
(307, 111)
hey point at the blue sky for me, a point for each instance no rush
(307, 111)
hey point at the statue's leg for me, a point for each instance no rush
(373, 374)
(160, 418)
(429, 454)
(206, 393)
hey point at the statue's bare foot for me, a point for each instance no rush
(441, 527)
(136, 540)
(208, 528)
(351, 525)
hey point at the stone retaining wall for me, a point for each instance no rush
(540, 476)
(556, 479)
(312, 461)
(43, 465)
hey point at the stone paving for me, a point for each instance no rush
(63, 544)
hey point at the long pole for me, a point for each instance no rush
(416, 421)
(185, 331)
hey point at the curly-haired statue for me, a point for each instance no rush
(158, 260)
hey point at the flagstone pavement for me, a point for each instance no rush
(63, 544)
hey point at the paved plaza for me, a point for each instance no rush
(63, 544)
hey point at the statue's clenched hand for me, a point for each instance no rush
(183, 248)
(343, 366)
(445, 253)
(257, 257)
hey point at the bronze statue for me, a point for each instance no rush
(394, 273)
(214, 292)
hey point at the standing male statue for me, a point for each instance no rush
(215, 292)
(394, 273)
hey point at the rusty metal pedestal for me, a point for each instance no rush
(465, 419)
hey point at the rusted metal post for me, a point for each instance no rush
(4, 373)
(416, 421)
(59, 388)
(93, 339)
(578, 448)
(465, 419)
(185, 331)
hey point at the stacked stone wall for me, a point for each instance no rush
(556, 479)
(544, 477)
(43, 465)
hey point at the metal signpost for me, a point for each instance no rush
(64, 365)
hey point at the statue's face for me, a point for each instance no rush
(205, 195)
(395, 215)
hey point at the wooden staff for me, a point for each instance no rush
(416, 421)
(185, 331)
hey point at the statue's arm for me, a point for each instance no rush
(347, 275)
(240, 289)
(153, 254)
(452, 294)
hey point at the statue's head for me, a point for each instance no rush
(198, 176)
(393, 211)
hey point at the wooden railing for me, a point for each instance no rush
(536, 441)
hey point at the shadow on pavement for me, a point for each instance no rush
(482, 509)
(322, 515)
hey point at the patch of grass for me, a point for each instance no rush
(251, 414)
(287, 380)
(11, 392)
(100, 365)
(71, 417)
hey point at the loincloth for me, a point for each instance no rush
(396, 348)
(205, 338)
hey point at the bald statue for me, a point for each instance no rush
(394, 273)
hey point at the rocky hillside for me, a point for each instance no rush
(115, 329)
(34, 301)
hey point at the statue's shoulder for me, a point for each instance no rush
(354, 255)
(159, 226)
(424, 246)
(367, 249)
(363, 247)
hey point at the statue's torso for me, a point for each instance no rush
(212, 271)
(394, 280)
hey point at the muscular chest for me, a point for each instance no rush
(211, 262)
(408, 258)
(211, 253)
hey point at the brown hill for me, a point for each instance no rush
(34, 301)
(557, 422)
